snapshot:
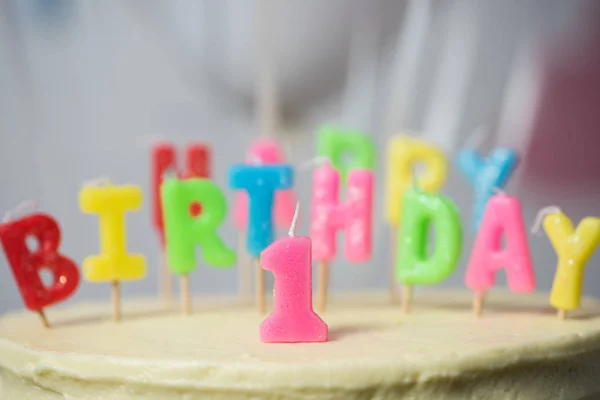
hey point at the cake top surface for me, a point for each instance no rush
(218, 345)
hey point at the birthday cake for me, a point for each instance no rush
(517, 350)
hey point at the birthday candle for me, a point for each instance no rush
(486, 175)
(329, 215)
(403, 154)
(574, 248)
(261, 182)
(265, 151)
(346, 149)
(502, 217)
(26, 265)
(293, 319)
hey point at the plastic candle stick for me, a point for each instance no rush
(347, 149)
(414, 267)
(26, 264)
(293, 319)
(261, 182)
(183, 232)
(404, 153)
(113, 264)
(486, 175)
(502, 217)
(163, 160)
(574, 247)
(329, 216)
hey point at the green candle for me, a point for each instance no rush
(346, 148)
(420, 210)
(183, 232)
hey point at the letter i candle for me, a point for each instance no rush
(114, 264)
(262, 151)
(163, 160)
(574, 247)
(26, 264)
(329, 215)
(183, 231)
(261, 182)
(404, 153)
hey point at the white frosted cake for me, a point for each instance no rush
(517, 350)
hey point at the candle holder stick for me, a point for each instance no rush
(478, 302)
(244, 271)
(260, 287)
(562, 314)
(42, 315)
(406, 298)
(393, 284)
(186, 301)
(165, 281)
(116, 300)
(323, 286)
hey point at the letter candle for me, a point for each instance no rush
(574, 247)
(502, 217)
(261, 182)
(329, 215)
(293, 319)
(262, 151)
(26, 264)
(183, 232)
(163, 160)
(114, 264)
(404, 154)
(414, 265)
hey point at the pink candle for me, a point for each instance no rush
(502, 216)
(293, 319)
(265, 151)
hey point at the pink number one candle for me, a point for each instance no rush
(329, 215)
(502, 216)
(293, 319)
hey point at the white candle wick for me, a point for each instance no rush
(292, 231)
(101, 181)
(540, 217)
(313, 162)
(22, 206)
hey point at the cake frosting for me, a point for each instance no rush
(517, 350)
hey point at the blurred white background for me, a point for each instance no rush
(87, 86)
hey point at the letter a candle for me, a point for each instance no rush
(113, 264)
(26, 264)
(293, 319)
(183, 232)
(329, 215)
(502, 217)
(574, 247)
(414, 265)
(163, 160)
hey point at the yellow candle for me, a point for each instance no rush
(110, 203)
(573, 248)
(403, 154)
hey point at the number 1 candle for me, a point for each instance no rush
(574, 247)
(404, 153)
(183, 232)
(293, 319)
(26, 264)
(329, 215)
(114, 264)
(261, 182)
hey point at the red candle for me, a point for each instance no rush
(26, 264)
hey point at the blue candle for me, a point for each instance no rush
(261, 182)
(486, 175)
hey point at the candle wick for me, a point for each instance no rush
(22, 206)
(540, 217)
(292, 231)
(497, 190)
(101, 181)
(254, 159)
